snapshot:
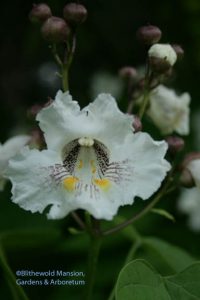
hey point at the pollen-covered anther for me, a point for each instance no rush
(86, 141)
(69, 183)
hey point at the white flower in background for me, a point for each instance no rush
(9, 149)
(163, 51)
(104, 81)
(194, 167)
(93, 161)
(189, 203)
(169, 111)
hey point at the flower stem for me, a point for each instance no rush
(142, 213)
(56, 56)
(144, 103)
(64, 65)
(146, 92)
(18, 292)
(92, 265)
(65, 81)
(78, 220)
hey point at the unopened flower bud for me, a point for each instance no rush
(149, 35)
(128, 73)
(40, 12)
(175, 144)
(137, 124)
(161, 57)
(33, 110)
(186, 179)
(55, 30)
(37, 139)
(49, 102)
(159, 65)
(75, 13)
(179, 51)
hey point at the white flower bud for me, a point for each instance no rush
(163, 51)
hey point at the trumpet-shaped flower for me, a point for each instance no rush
(169, 111)
(9, 149)
(93, 161)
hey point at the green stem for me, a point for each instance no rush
(65, 82)
(16, 289)
(144, 211)
(56, 56)
(92, 266)
(144, 103)
(146, 92)
(78, 220)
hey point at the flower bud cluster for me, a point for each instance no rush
(55, 29)
(161, 57)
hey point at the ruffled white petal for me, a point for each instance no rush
(32, 187)
(146, 159)
(56, 120)
(10, 148)
(63, 121)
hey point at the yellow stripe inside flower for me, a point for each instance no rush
(70, 183)
(104, 183)
(93, 166)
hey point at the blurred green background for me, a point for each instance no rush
(105, 42)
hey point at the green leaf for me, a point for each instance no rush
(163, 213)
(138, 280)
(167, 258)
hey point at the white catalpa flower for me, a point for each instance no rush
(189, 203)
(169, 111)
(9, 149)
(163, 51)
(93, 161)
(194, 167)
